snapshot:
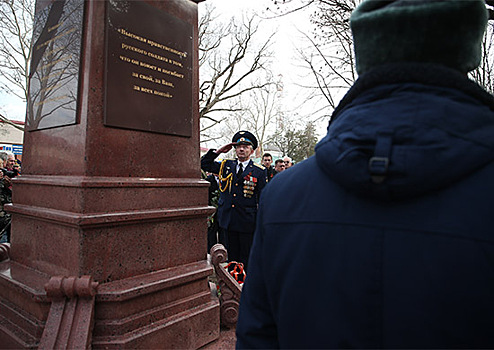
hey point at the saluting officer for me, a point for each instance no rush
(241, 182)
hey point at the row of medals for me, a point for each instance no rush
(249, 186)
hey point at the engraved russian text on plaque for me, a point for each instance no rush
(148, 82)
(54, 73)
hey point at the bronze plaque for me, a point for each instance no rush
(54, 73)
(148, 83)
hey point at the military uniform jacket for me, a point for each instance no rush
(237, 206)
(271, 173)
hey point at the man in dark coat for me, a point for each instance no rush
(241, 183)
(279, 166)
(267, 159)
(385, 238)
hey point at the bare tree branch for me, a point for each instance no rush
(229, 59)
(484, 74)
(10, 122)
(15, 45)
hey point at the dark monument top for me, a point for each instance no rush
(148, 69)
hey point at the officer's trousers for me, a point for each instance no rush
(239, 244)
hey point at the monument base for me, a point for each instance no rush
(170, 308)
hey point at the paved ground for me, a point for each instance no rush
(226, 341)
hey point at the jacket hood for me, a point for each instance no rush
(404, 130)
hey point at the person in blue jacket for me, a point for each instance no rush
(241, 182)
(385, 238)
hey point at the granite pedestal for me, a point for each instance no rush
(118, 200)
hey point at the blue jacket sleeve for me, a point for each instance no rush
(256, 328)
(208, 163)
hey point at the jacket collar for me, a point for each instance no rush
(423, 73)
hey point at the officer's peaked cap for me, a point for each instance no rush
(245, 138)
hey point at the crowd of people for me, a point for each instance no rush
(10, 167)
(280, 164)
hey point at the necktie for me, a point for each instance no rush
(240, 170)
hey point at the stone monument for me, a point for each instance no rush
(110, 195)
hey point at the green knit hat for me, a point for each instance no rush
(448, 32)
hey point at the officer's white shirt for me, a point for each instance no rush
(244, 164)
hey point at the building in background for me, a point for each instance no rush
(12, 138)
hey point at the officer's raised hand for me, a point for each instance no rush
(226, 148)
